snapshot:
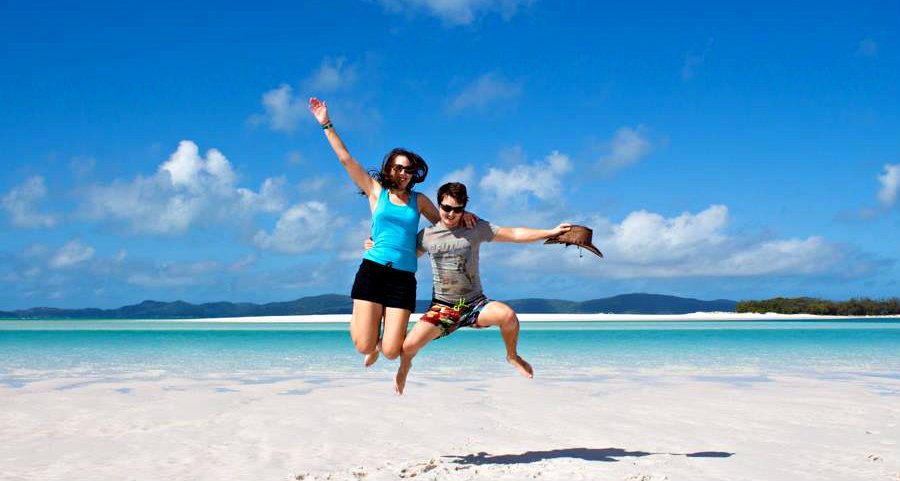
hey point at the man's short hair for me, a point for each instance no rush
(455, 190)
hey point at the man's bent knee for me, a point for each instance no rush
(411, 347)
(508, 317)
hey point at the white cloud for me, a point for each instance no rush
(186, 190)
(281, 110)
(890, 184)
(243, 263)
(867, 48)
(174, 274)
(542, 180)
(302, 228)
(646, 237)
(332, 75)
(119, 278)
(270, 198)
(649, 245)
(188, 170)
(790, 256)
(456, 12)
(628, 146)
(488, 89)
(351, 247)
(466, 175)
(512, 155)
(314, 184)
(20, 204)
(71, 254)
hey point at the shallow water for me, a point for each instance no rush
(34, 350)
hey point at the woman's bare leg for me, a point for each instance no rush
(396, 322)
(365, 324)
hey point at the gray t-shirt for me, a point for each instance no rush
(454, 259)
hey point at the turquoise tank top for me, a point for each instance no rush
(394, 230)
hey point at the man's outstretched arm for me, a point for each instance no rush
(526, 234)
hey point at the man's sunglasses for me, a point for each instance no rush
(448, 209)
(409, 170)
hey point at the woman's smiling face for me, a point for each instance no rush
(402, 171)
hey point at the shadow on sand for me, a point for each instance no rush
(606, 454)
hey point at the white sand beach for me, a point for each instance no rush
(637, 425)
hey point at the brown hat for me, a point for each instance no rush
(578, 235)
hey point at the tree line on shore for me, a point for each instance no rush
(860, 306)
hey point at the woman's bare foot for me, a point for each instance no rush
(372, 356)
(400, 378)
(521, 365)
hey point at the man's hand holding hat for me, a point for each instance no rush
(577, 235)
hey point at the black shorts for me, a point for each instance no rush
(385, 285)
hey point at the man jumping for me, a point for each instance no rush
(457, 299)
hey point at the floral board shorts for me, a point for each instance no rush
(449, 318)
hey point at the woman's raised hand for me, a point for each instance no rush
(469, 219)
(319, 109)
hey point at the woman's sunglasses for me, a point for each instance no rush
(448, 209)
(409, 170)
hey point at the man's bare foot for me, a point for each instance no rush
(521, 365)
(372, 356)
(400, 378)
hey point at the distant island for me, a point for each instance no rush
(861, 306)
(341, 304)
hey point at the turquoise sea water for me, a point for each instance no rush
(35, 350)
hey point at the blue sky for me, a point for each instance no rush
(164, 152)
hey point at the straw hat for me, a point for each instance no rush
(578, 235)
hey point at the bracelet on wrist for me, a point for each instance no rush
(327, 125)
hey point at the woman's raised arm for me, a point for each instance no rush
(357, 173)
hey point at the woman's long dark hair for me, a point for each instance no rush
(385, 176)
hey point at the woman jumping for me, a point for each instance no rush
(385, 284)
